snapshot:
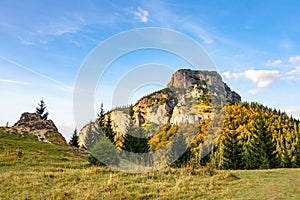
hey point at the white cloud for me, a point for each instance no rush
(294, 59)
(61, 85)
(230, 75)
(13, 81)
(294, 111)
(295, 71)
(273, 63)
(142, 15)
(261, 78)
(199, 31)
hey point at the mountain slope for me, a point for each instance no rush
(190, 96)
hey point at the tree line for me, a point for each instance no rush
(253, 136)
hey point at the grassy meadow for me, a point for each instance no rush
(30, 169)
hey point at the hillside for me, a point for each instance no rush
(30, 169)
(198, 119)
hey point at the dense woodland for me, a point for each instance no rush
(253, 137)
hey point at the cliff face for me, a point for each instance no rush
(189, 97)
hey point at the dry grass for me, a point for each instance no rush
(34, 170)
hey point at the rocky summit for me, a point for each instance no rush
(44, 130)
(191, 95)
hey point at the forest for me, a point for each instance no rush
(253, 136)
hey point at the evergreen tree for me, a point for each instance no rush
(40, 110)
(232, 151)
(94, 134)
(104, 153)
(101, 115)
(108, 131)
(248, 153)
(136, 140)
(180, 153)
(74, 139)
(265, 150)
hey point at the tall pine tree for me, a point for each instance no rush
(264, 155)
(232, 151)
(74, 139)
(40, 110)
(180, 152)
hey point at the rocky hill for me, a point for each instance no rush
(44, 130)
(191, 95)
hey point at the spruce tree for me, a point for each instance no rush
(136, 140)
(104, 153)
(74, 139)
(180, 152)
(108, 131)
(265, 156)
(232, 151)
(94, 134)
(101, 115)
(41, 109)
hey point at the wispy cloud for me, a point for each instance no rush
(141, 14)
(61, 26)
(274, 63)
(166, 18)
(67, 87)
(261, 78)
(295, 71)
(13, 81)
(294, 59)
(24, 41)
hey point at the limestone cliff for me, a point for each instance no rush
(190, 96)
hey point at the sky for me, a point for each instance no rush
(255, 46)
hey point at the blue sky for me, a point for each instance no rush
(254, 44)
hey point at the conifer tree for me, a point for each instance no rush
(40, 110)
(108, 131)
(74, 139)
(180, 153)
(232, 151)
(136, 140)
(104, 153)
(101, 115)
(265, 151)
(94, 134)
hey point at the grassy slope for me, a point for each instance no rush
(34, 170)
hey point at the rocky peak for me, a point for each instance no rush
(45, 130)
(185, 78)
(33, 122)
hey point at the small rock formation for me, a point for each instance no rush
(45, 130)
(189, 97)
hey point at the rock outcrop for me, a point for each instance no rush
(190, 96)
(45, 130)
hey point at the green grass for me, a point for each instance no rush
(30, 169)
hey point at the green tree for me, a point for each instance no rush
(108, 131)
(232, 151)
(136, 140)
(101, 115)
(74, 139)
(94, 134)
(104, 153)
(264, 153)
(40, 110)
(180, 153)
